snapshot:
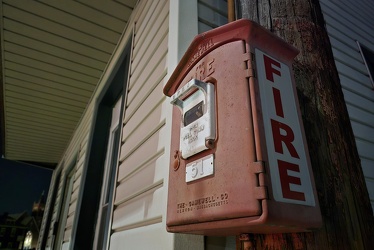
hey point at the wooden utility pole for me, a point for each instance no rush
(345, 206)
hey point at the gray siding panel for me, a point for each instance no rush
(348, 22)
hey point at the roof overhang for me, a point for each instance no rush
(53, 54)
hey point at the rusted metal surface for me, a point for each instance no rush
(238, 197)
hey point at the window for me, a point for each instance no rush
(90, 205)
(13, 232)
(368, 56)
(103, 224)
(211, 14)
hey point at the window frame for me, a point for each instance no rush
(87, 211)
(368, 58)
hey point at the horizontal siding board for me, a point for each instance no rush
(41, 101)
(32, 71)
(33, 156)
(136, 180)
(365, 149)
(133, 164)
(55, 51)
(47, 129)
(356, 76)
(355, 99)
(363, 132)
(349, 48)
(350, 85)
(142, 122)
(138, 11)
(149, 95)
(36, 108)
(84, 145)
(353, 33)
(89, 14)
(354, 64)
(55, 40)
(79, 140)
(143, 207)
(143, 20)
(357, 10)
(32, 139)
(50, 68)
(31, 124)
(150, 145)
(52, 119)
(69, 20)
(69, 221)
(37, 137)
(64, 64)
(130, 3)
(77, 181)
(116, 10)
(142, 99)
(358, 115)
(30, 150)
(368, 168)
(343, 16)
(150, 38)
(60, 30)
(43, 154)
(370, 186)
(139, 136)
(81, 161)
(151, 60)
(342, 38)
(26, 116)
(65, 89)
(73, 200)
(152, 43)
(151, 79)
(28, 146)
(67, 235)
(134, 239)
(142, 109)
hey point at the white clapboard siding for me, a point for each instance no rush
(348, 22)
(55, 208)
(74, 193)
(140, 196)
(49, 206)
(57, 205)
(211, 14)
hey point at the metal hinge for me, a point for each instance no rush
(249, 59)
(261, 191)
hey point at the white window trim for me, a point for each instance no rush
(364, 50)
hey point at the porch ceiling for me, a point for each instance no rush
(53, 54)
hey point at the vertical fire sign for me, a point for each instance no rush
(287, 158)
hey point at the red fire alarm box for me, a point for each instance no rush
(239, 161)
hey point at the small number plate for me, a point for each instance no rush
(200, 168)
